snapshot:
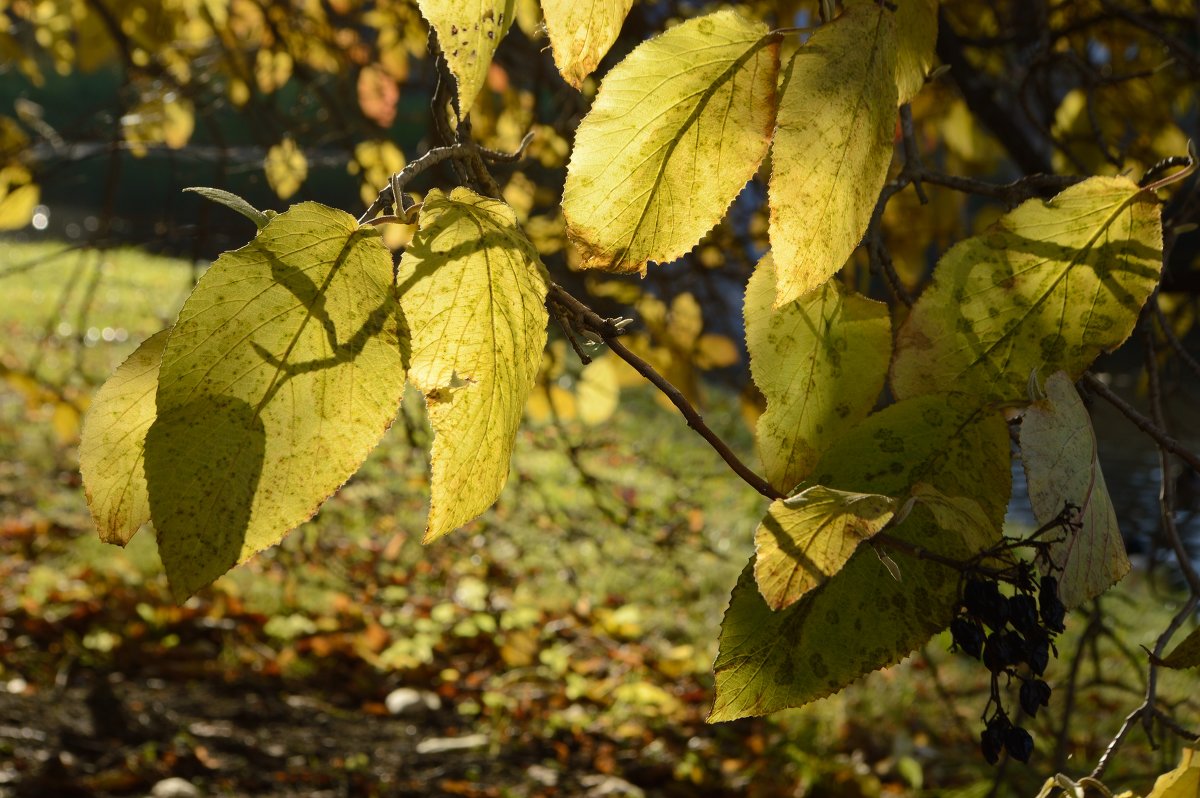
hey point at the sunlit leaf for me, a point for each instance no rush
(375, 161)
(1183, 781)
(285, 367)
(163, 118)
(114, 436)
(581, 33)
(862, 619)
(1058, 450)
(678, 128)
(597, 391)
(286, 168)
(19, 197)
(916, 34)
(820, 362)
(1052, 285)
(468, 32)
(809, 537)
(473, 293)
(833, 144)
(234, 203)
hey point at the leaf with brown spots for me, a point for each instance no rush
(468, 32)
(1052, 285)
(820, 362)
(862, 619)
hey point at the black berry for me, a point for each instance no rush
(1019, 743)
(1034, 694)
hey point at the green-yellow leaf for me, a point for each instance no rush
(1058, 450)
(473, 293)
(957, 515)
(916, 35)
(111, 448)
(677, 130)
(862, 619)
(832, 148)
(285, 367)
(1051, 286)
(1183, 781)
(581, 33)
(234, 203)
(1186, 654)
(468, 32)
(805, 540)
(820, 361)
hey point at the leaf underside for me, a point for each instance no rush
(1058, 451)
(111, 448)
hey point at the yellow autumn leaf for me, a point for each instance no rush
(375, 162)
(283, 370)
(114, 435)
(838, 101)
(1049, 287)
(597, 391)
(820, 363)
(916, 34)
(468, 32)
(473, 293)
(678, 128)
(1058, 450)
(1183, 781)
(19, 197)
(807, 538)
(272, 69)
(164, 118)
(581, 33)
(286, 168)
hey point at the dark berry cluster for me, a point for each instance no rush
(1014, 636)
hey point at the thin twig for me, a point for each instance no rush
(1167, 482)
(912, 154)
(1014, 193)
(1141, 422)
(694, 419)
(1172, 339)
